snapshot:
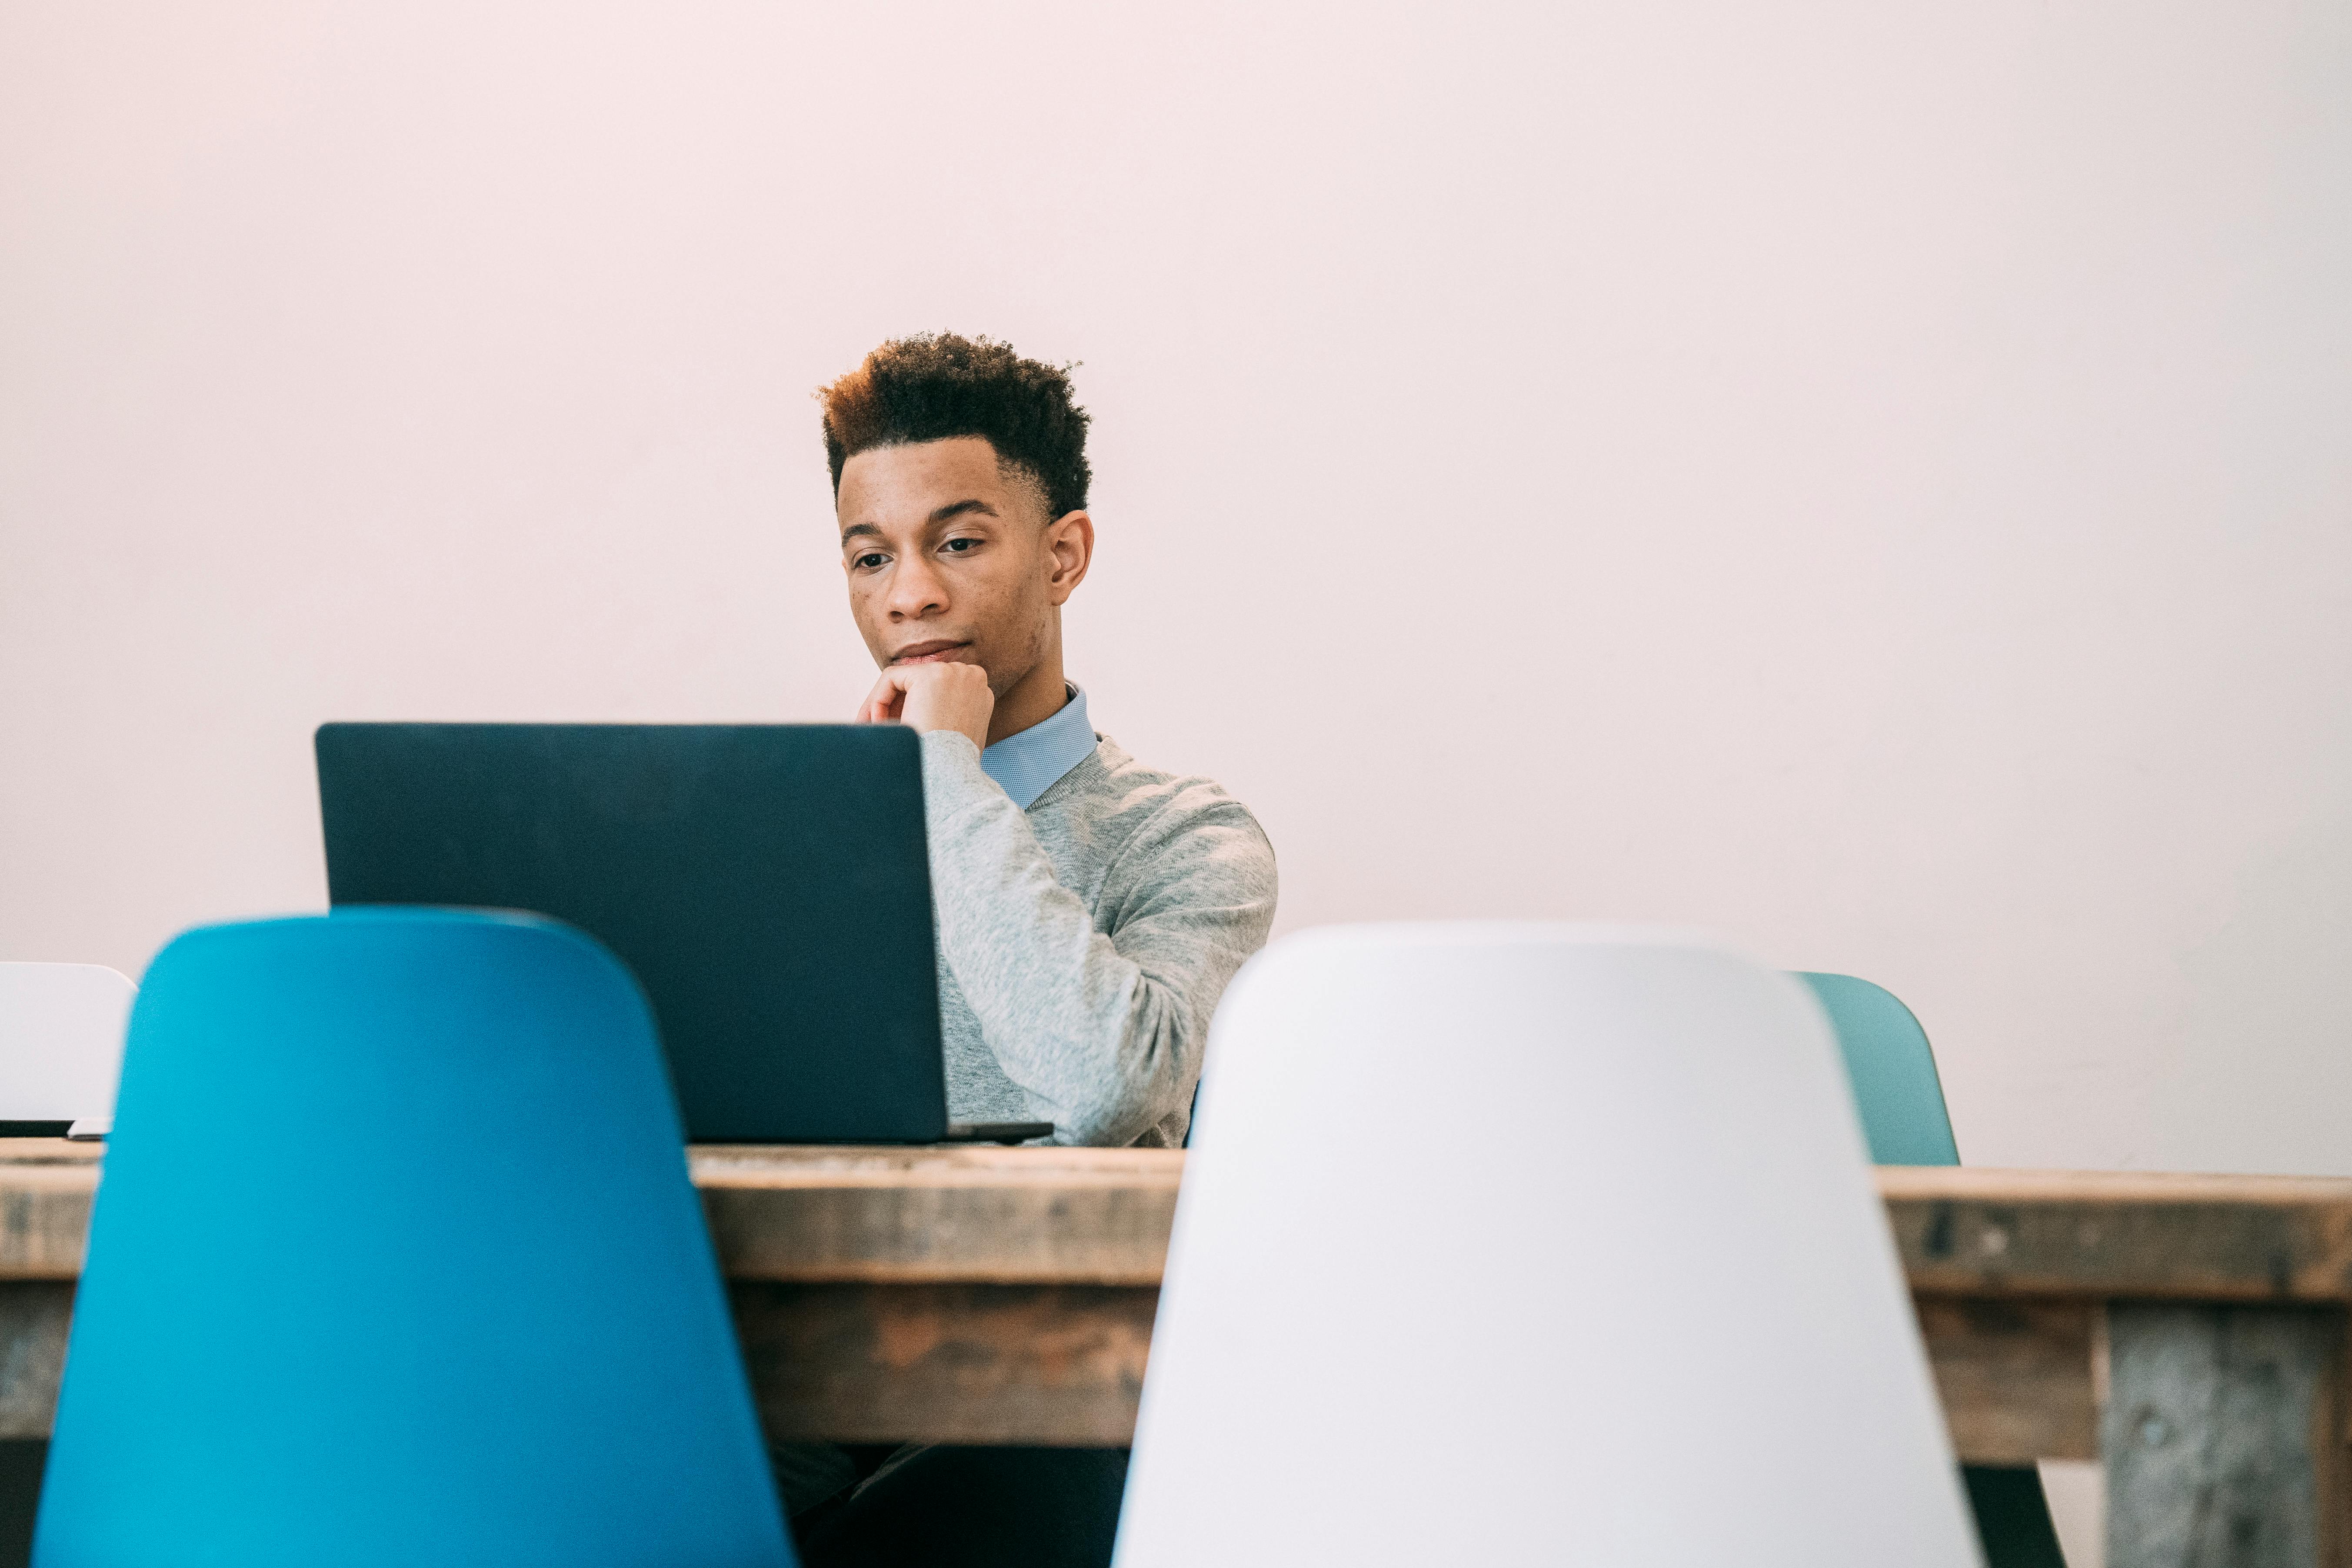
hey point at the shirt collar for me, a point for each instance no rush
(1027, 764)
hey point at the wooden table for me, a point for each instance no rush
(2190, 1329)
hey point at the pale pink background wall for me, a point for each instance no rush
(1874, 480)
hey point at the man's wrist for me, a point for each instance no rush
(953, 779)
(934, 739)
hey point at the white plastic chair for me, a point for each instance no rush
(1532, 1244)
(61, 1028)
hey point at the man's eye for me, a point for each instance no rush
(869, 561)
(959, 546)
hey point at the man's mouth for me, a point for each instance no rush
(929, 652)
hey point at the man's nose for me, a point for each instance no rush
(916, 590)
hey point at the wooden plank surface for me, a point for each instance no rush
(988, 1215)
(965, 1363)
(968, 1215)
(2019, 1378)
(981, 1216)
(2121, 1233)
(46, 1187)
(985, 1294)
(1057, 1365)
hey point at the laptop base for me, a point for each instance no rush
(996, 1131)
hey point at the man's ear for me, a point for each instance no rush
(1069, 551)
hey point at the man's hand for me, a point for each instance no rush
(930, 697)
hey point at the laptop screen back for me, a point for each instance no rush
(766, 882)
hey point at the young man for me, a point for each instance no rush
(1090, 909)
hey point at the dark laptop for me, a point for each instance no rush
(768, 883)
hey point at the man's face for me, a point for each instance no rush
(951, 558)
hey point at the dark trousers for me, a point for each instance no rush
(2012, 1517)
(938, 1506)
(1058, 1507)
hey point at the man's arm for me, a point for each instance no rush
(1106, 1031)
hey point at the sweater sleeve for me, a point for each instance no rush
(1106, 1031)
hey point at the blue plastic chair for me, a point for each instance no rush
(1904, 1119)
(1892, 1070)
(396, 1261)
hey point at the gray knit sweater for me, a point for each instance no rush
(1084, 943)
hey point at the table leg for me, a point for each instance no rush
(34, 1317)
(2224, 1436)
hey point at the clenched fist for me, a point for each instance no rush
(930, 697)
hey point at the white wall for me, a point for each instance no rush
(1873, 480)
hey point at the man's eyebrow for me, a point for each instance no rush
(947, 513)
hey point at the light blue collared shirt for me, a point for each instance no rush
(1026, 765)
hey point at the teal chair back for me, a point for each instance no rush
(1901, 1103)
(396, 1261)
(1895, 1090)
